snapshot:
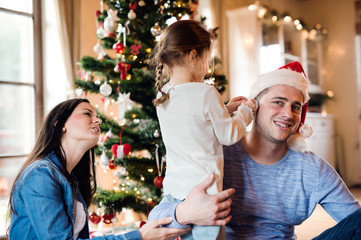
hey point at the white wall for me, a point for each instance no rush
(340, 77)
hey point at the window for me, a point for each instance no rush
(21, 95)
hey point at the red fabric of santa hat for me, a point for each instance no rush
(293, 75)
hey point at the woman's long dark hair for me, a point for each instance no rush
(49, 139)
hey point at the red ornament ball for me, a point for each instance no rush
(112, 165)
(107, 218)
(95, 218)
(118, 47)
(158, 182)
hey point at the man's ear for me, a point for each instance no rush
(257, 105)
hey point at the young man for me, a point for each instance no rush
(277, 182)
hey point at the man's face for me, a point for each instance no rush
(279, 113)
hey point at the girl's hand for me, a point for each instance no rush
(233, 104)
(152, 231)
(252, 104)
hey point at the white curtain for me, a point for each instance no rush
(61, 49)
(69, 23)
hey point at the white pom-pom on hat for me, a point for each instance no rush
(297, 141)
(305, 130)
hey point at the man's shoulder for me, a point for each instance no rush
(309, 159)
(307, 155)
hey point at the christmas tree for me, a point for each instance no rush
(131, 144)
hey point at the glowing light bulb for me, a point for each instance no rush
(251, 7)
(287, 19)
(330, 93)
(262, 12)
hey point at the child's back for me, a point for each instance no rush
(194, 125)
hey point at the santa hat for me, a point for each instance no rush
(293, 75)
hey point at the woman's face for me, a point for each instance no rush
(83, 126)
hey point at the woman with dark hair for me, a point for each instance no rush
(54, 187)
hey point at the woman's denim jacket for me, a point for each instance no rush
(43, 202)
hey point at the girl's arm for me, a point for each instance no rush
(228, 129)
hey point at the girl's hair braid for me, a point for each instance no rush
(159, 84)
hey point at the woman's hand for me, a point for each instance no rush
(152, 231)
(233, 104)
(202, 209)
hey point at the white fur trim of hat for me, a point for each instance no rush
(281, 77)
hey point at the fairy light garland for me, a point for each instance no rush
(264, 13)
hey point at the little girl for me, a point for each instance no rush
(193, 119)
